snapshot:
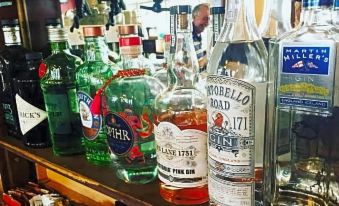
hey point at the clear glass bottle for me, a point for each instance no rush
(30, 103)
(336, 13)
(128, 107)
(11, 57)
(305, 159)
(181, 123)
(276, 19)
(58, 83)
(90, 76)
(238, 94)
(161, 74)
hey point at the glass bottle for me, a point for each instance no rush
(336, 13)
(161, 74)
(90, 76)
(181, 123)
(276, 19)
(304, 165)
(58, 83)
(128, 107)
(30, 103)
(11, 57)
(238, 93)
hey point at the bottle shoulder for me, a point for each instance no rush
(96, 68)
(63, 58)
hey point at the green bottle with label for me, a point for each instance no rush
(57, 74)
(90, 77)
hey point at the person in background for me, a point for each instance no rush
(201, 16)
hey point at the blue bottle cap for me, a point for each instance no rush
(181, 9)
(174, 10)
(317, 3)
(218, 10)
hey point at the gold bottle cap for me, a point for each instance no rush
(90, 31)
(128, 29)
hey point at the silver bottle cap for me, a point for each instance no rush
(56, 34)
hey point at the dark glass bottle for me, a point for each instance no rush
(29, 102)
(58, 86)
(12, 56)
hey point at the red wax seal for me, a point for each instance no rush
(42, 70)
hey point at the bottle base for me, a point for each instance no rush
(184, 196)
(137, 176)
(67, 152)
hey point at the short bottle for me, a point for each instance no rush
(239, 109)
(58, 83)
(91, 75)
(11, 57)
(30, 103)
(128, 108)
(304, 166)
(181, 123)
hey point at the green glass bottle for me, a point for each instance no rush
(90, 77)
(128, 107)
(57, 74)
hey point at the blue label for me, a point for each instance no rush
(119, 133)
(304, 102)
(91, 124)
(306, 60)
(317, 3)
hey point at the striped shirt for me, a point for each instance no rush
(198, 44)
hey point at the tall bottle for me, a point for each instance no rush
(128, 107)
(238, 93)
(90, 76)
(58, 84)
(304, 167)
(11, 57)
(30, 103)
(218, 15)
(276, 19)
(181, 123)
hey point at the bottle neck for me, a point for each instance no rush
(59, 46)
(130, 57)
(12, 36)
(218, 15)
(317, 16)
(95, 49)
(240, 24)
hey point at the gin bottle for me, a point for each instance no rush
(238, 94)
(128, 108)
(181, 123)
(90, 77)
(58, 86)
(218, 15)
(11, 57)
(304, 168)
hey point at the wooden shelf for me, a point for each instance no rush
(100, 179)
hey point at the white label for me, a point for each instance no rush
(224, 192)
(29, 115)
(12, 35)
(181, 155)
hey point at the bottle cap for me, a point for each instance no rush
(317, 3)
(90, 31)
(10, 22)
(33, 56)
(53, 22)
(167, 38)
(130, 41)
(128, 29)
(184, 9)
(56, 34)
(217, 10)
(174, 10)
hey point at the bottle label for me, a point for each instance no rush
(223, 192)
(91, 123)
(119, 133)
(181, 155)
(29, 115)
(6, 3)
(231, 126)
(12, 35)
(58, 111)
(306, 75)
(8, 113)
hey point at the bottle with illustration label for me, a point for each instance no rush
(181, 122)
(128, 108)
(305, 171)
(30, 103)
(90, 76)
(58, 84)
(11, 57)
(238, 94)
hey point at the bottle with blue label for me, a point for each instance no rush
(58, 84)
(303, 169)
(128, 108)
(90, 77)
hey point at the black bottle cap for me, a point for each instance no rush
(52, 22)
(184, 9)
(174, 10)
(33, 56)
(218, 10)
(9, 22)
